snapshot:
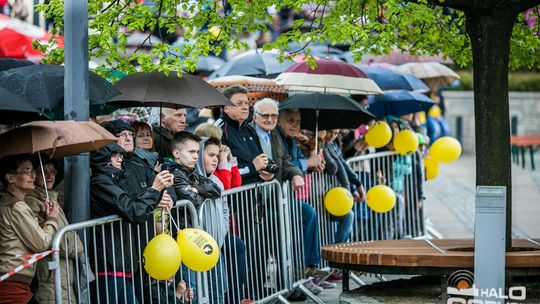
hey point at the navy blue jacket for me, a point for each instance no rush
(244, 144)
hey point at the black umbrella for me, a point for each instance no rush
(15, 110)
(156, 89)
(327, 111)
(43, 85)
(264, 65)
(10, 63)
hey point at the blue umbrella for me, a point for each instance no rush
(398, 102)
(388, 79)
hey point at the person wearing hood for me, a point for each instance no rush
(136, 175)
(108, 196)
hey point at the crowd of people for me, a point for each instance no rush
(155, 163)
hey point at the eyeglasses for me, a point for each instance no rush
(125, 134)
(26, 171)
(267, 116)
(241, 103)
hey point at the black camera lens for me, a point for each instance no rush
(272, 167)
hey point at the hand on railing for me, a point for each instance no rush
(297, 182)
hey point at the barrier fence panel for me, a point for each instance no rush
(264, 247)
(254, 258)
(402, 173)
(103, 260)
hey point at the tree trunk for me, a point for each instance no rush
(490, 40)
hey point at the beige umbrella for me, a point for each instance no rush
(433, 74)
(55, 138)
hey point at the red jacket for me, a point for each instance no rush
(228, 174)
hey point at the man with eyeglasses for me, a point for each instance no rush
(265, 119)
(241, 137)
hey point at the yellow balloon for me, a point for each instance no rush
(445, 149)
(381, 198)
(435, 111)
(379, 134)
(200, 252)
(338, 201)
(162, 257)
(432, 168)
(405, 142)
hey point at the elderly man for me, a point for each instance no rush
(241, 138)
(265, 119)
(172, 121)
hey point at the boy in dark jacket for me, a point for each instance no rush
(188, 184)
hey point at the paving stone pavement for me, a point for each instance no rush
(450, 209)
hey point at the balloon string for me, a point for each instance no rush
(174, 223)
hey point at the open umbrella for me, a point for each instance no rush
(258, 88)
(388, 79)
(433, 74)
(43, 85)
(55, 138)
(264, 65)
(15, 110)
(16, 38)
(330, 76)
(327, 111)
(10, 63)
(398, 102)
(208, 64)
(155, 89)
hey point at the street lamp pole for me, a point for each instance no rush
(76, 106)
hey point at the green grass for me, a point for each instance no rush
(517, 81)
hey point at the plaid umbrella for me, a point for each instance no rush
(433, 74)
(258, 88)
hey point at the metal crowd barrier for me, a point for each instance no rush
(255, 260)
(78, 265)
(402, 173)
(262, 249)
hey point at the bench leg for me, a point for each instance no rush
(345, 280)
(522, 157)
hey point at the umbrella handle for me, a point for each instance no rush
(316, 149)
(44, 180)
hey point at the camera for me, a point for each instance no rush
(272, 167)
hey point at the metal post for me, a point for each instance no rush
(489, 241)
(76, 105)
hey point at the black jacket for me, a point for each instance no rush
(244, 144)
(107, 197)
(162, 140)
(187, 178)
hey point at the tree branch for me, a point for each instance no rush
(519, 6)
(462, 5)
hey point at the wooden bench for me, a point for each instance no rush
(520, 143)
(424, 257)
